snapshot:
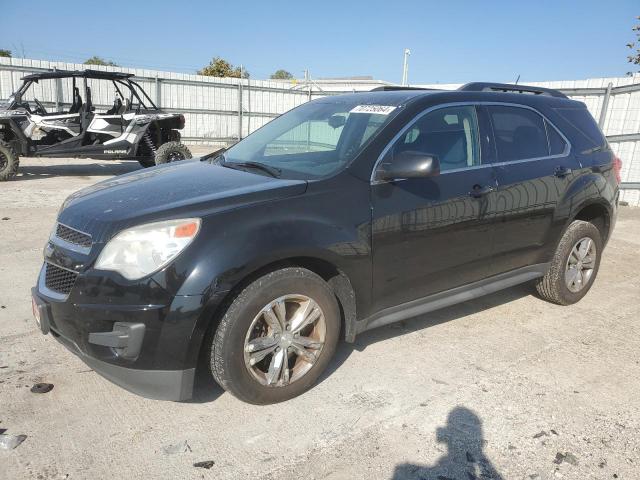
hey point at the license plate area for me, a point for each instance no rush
(41, 313)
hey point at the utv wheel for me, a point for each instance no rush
(9, 161)
(277, 337)
(147, 162)
(574, 266)
(172, 152)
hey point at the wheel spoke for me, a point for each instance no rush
(275, 367)
(272, 320)
(575, 256)
(260, 355)
(306, 355)
(570, 276)
(306, 342)
(285, 368)
(587, 261)
(307, 316)
(584, 248)
(281, 313)
(261, 343)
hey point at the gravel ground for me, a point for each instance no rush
(506, 386)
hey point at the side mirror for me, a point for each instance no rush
(336, 121)
(409, 164)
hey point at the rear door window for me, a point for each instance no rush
(519, 133)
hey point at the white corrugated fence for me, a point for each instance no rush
(220, 110)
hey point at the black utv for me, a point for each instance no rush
(132, 128)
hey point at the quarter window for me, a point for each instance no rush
(557, 145)
(449, 133)
(519, 133)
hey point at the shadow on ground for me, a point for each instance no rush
(207, 390)
(465, 457)
(425, 321)
(84, 170)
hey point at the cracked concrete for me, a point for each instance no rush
(506, 386)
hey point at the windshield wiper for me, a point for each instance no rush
(273, 171)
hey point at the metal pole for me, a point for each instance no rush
(248, 106)
(240, 105)
(58, 86)
(405, 67)
(307, 82)
(605, 106)
(158, 93)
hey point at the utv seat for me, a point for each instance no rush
(76, 105)
(117, 105)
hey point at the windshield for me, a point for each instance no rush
(313, 140)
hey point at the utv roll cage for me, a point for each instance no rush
(119, 79)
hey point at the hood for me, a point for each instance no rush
(188, 188)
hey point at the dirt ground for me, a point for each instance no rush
(506, 386)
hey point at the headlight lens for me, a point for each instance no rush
(145, 249)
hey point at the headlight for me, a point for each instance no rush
(145, 249)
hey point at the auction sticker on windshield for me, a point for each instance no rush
(379, 109)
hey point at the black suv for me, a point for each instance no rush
(347, 213)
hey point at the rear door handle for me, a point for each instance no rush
(562, 172)
(480, 191)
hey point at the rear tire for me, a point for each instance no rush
(246, 335)
(172, 152)
(574, 266)
(9, 161)
(147, 162)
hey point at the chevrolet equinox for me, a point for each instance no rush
(347, 213)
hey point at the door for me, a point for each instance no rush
(432, 234)
(533, 169)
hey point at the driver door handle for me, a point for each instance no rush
(480, 191)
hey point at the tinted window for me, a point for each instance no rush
(557, 144)
(587, 128)
(520, 133)
(449, 133)
(314, 139)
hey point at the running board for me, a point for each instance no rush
(453, 296)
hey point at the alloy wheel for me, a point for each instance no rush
(580, 264)
(284, 340)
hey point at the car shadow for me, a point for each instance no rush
(464, 458)
(431, 319)
(207, 390)
(85, 170)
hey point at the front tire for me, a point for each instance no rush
(9, 161)
(172, 152)
(277, 337)
(574, 266)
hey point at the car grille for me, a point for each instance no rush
(58, 279)
(73, 236)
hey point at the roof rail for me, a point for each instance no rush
(510, 88)
(391, 88)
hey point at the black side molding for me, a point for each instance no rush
(453, 296)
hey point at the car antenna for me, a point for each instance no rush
(517, 79)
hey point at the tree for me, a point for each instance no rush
(219, 67)
(634, 58)
(95, 60)
(5, 53)
(281, 75)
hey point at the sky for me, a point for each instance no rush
(450, 41)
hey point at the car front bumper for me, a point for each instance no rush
(146, 349)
